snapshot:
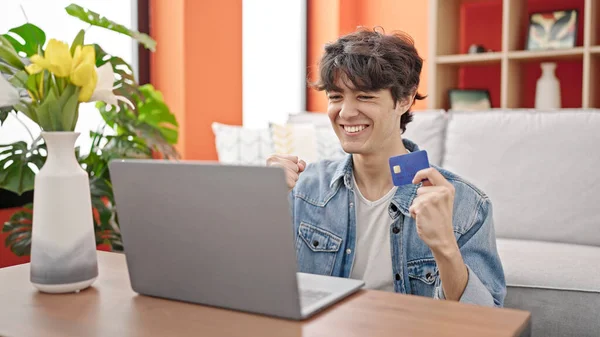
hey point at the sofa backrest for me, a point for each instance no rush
(426, 130)
(539, 168)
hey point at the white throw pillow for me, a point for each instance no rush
(295, 139)
(238, 145)
(308, 141)
(328, 144)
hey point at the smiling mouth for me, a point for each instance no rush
(354, 128)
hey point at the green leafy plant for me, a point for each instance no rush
(96, 19)
(145, 129)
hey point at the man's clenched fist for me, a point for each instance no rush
(291, 164)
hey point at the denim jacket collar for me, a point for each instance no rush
(404, 194)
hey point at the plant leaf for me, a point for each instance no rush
(43, 113)
(95, 19)
(65, 108)
(122, 146)
(56, 118)
(154, 124)
(29, 112)
(9, 55)
(6, 68)
(19, 79)
(32, 85)
(4, 114)
(78, 41)
(15, 173)
(156, 141)
(154, 112)
(19, 228)
(100, 187)
(157, 115)
(101, 56)
(49, 84)
(124, 83)
(33, 36)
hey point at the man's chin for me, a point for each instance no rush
(354, 146)
(352, 149)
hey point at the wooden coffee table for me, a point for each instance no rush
(111, 308)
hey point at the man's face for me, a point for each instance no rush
(365, 122)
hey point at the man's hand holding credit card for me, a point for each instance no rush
(404, 168)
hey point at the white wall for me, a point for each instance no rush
(51, 17)
(274, 60)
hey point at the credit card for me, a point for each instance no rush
(405, 167)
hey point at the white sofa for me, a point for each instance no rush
(540, 169)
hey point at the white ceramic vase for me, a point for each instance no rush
(63, 244)
(547, 92)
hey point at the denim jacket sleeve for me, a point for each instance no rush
(291, 201)
(486, 285)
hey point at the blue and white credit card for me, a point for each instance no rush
(405, 167)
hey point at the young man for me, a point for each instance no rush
(434, 237)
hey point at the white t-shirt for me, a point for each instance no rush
(373, 256)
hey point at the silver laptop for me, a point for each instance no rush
(216, 235)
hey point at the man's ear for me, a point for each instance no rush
(402, 106)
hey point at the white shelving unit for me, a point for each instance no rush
(445, 61)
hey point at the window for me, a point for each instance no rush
(273, 61)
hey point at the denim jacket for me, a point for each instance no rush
(324, 218)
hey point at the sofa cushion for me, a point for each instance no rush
(426, 130)
(558, 283)
(550, 265)
(538, 168)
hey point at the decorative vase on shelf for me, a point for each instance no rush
(547, 92)
(63, 243)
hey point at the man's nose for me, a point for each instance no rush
(348, 110)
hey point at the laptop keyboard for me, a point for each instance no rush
(308, 296)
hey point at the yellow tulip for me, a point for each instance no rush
(33, 68)
(57, 59)
(83, 56)
(83, 72)
(88, 88)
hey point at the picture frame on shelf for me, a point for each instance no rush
(469, 99)
(552, 30)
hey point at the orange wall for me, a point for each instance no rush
(323, 26)
(330, 18)
(198, 67)
(167, 68)
(213, 62)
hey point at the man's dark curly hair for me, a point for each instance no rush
(371, 61)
